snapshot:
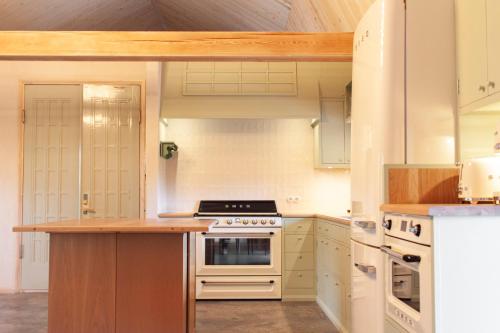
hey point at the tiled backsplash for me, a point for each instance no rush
(249, 159)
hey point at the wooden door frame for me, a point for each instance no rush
(21, 127)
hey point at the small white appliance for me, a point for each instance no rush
(240, 258)
(408, 273)
(480, 180)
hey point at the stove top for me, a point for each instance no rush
(237, 208)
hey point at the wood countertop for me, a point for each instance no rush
(120, 226)
(442, 209)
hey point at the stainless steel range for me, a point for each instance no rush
(240, 258)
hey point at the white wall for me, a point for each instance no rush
(11, 73)
(431, 82)
(250, 159)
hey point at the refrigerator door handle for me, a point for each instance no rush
(368, 269)
(368, 225)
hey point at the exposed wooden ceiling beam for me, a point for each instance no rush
(171, 46)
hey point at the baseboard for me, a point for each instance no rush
(331, 316)
(299, 298)
(8, 291)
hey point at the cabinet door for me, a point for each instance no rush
(332, 131)
(493, 30)
(471, 50)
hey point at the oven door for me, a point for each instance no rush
(239, 251)
(408, 284)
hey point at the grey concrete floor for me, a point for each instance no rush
(27, 313)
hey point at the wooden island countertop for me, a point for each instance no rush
(103, 225)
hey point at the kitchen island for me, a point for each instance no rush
(121, 275)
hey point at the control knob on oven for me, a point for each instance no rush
(254, 221)
(415, 229)
(272, 222)
(245, 221)
(263, 221)
(229, 221)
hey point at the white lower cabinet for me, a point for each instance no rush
(316, 266)
(333, 273)
(298, 260)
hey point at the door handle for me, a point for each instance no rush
(368, 269)
(368, 225)
(86, 210)
(405, 257)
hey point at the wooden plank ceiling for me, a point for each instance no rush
(183, 15)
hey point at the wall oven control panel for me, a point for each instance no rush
(414, 228)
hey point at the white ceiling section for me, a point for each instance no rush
(183, 15)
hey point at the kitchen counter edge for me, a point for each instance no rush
(337, 219)
(443, 209)
(120, 226)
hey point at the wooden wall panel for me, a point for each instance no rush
(82, 279)
(422, 185)
(228, 15)
(151, 283)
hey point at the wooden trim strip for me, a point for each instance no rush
(175, 46)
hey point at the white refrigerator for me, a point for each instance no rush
(378, 138)
(403, 111)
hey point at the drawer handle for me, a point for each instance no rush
(300, 257)
(337, 248)
(236, 282)
(336, 283)
(299, 238)
(300, 275)
(299, 226)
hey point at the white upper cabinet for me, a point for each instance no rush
(332, 135)
(478, 52)
(493, 32)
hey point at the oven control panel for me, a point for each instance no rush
(414, 228)
(248, 222)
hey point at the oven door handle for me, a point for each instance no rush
(235, 234)
(237, 282)
(368, 269)
(401, 256)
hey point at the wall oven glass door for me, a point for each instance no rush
(235, 251)
(408, 284)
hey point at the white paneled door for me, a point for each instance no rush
(110, 154)
(81, 159)
(51, 169)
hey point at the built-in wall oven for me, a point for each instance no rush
(240, 257)
(408, 268)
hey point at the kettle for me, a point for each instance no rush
(480, 180)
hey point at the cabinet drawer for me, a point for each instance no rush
(299, 261)
(331, 230)
(299, 243)
(299, 226)
(333, 258)
(299, 279)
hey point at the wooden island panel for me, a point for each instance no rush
(151, 293)
(82, 281)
